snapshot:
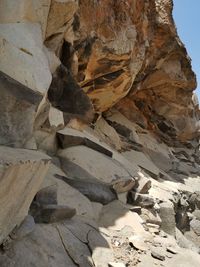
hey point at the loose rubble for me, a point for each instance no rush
(99, 136)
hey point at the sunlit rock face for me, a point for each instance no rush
(22, 172)
(118, 49)
(162, 90)
(110, 48)
(119, 52)
(105, 88)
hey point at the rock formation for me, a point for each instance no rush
(99, 136)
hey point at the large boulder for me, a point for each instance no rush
(15, 11)
(70, 243)
(21, 174)
(38, 250)
(18, 106)
(66, 194)
(22, 56)
(95, 163)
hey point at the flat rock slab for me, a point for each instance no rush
(116, 216)
(66, 194)
(183, 242)
(138, 242)
(71, 137)
(116, 264)
(108, 134)
(18, 105)
(22, 56)
(158, 254)
(71, 243)
(42, 248)
(167, 216)
(16, 11)
(142, 160)
(77, 250)
(98, 165)
(195, 225)
(117, 117)
(21, 174)
(151, 216)
(186, 258)
(101, 250)
(97, 192)
(78, 228)
(159, 153)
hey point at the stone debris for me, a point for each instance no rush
(104, 89)
(157, 254)
(56, 117)
(136, 209)
(172, 250)
(144, 185)
(116, 264)
(46, 141)
(123, 185)
(115, 216)
(151, 216)
(144, 200)
(138, 242)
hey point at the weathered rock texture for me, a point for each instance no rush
(123, 190)
(22, 172)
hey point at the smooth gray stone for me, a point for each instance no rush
(54, 213)
(18, 106)
(47, 195)
(97, 192)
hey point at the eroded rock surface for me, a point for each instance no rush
(123, 190)
(22, 172)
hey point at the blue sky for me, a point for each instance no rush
(187, 18)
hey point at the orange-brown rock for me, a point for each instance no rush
(128, 53)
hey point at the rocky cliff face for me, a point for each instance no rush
(103, 92)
